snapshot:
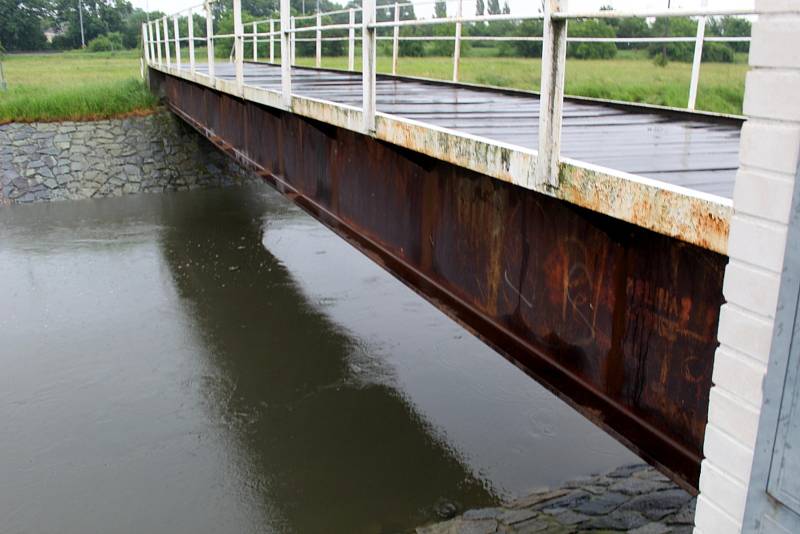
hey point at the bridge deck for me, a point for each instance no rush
(689, 150)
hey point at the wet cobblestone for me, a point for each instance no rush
(633, 498)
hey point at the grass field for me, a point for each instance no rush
(81, 85)
(721, 87)
(73, 85)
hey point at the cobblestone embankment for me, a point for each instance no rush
(76, 160)
(634, 498)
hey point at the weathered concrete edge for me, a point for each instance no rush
(690, 216)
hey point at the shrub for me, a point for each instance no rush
(106, 43)
(100, 43)
(411, 49)
(718, 52)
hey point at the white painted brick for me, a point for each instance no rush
(739, 375)
(733, 417)
(776, 5)
(722, 450)
(712, 520)
(774, 42)
(757, 242)
(763, 194)
(770, 146)
(773, 94)
(725, 491)
(745, 333)
(751, 288)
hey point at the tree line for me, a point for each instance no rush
(114, 24)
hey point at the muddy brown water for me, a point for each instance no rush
(217, 361)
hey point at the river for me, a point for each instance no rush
(217, 361)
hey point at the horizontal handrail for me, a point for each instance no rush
(671, 12)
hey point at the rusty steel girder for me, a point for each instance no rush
(617, 320)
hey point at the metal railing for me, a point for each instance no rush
(554, 48)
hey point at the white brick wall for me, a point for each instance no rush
(768, 158)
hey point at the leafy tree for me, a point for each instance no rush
(591, 28)
(684, 51)
(132, 28)
(493, 7)
(678, 27)
(440, 9)
(20, 24)
(526, 28)
(480, 7)
(630, 27)
(730, 27)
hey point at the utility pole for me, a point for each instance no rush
(3, 85)
(80, 17)
(666, 34)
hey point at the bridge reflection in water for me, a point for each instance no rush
(328, 442)
(323, 414)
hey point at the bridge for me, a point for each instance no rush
(584, 240)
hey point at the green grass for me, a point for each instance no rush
(81, 85)
(73, 86)
(630, 78)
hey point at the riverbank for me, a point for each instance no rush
(76, 160)
(74, 86)
(634, 498)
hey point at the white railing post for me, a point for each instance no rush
(318, 60)
(271, 41)
(698, 57)
(293, 39)
(286, 55)
(190, 25)
(238, 43)
(210, 39)
(395, 39)
(457, 45)
(551, 98)
(255, 42)
(351, 41)
(158, 41)
(145, 44)
(166, 42)
(151, 39)
(177, 42)
(368, 64)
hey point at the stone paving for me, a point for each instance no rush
(634, 498)
(75, 160)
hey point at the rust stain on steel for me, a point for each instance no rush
(687, 215)
(617, 320)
